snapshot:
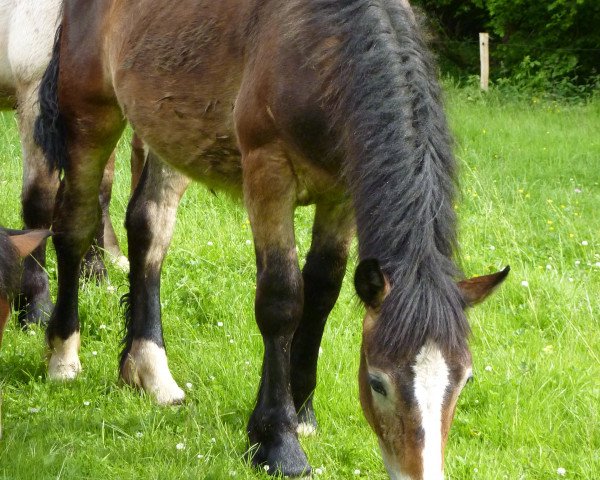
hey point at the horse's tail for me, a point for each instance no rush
(50, 132)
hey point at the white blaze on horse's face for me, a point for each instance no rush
(409, 398)
(410, 406)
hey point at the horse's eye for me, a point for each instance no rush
(377, 386)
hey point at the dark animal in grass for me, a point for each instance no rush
(283, 104)
(14, 245)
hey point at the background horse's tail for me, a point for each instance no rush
(50, 133)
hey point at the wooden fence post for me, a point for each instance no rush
(484, 55)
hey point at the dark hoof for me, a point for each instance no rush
(34, 313)
(92, 267)
(307, 421)
(282, 456)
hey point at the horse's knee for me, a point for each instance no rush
(279, 296)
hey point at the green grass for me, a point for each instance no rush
(535, 410)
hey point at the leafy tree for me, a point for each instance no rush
(548, 42)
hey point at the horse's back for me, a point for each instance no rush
(200, 80)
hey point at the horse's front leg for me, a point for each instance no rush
(150, 222)
(323, 274)
(269, 194)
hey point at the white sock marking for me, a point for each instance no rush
(306, 429)
(64, 358)
(147, 367)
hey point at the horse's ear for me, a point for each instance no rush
(477, 289)
(370, 283)
(27, 240)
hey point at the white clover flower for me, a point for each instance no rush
(248, 242)
(34, 410)
(357, 472)
(180, 446)
(585, 243)
(188, 385)
(102, 327)
(86, 403)
(492, 248)
(524, 283)
(488, 368)
(219, 324)
(561, 471)
(266, 468)
(318, 471)
(94, 353)
(210, 244)
(139, 434)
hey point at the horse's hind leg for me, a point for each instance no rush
(269, 194)
(37, 200)
(92, 138)
(106, 239)
(323, 274)
(150, 221)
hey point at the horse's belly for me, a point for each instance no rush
(195, 135)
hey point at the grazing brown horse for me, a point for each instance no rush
(284, 103)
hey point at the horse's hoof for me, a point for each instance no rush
(307, 422)
(64, 362)
(35, 313)
(145, 366)
(282, 456)
(92, 266)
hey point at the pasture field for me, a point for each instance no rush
(530, 183)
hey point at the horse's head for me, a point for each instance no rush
(14, 245)
(409, 399)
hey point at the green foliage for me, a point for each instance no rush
(551, 46)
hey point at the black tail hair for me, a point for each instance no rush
(125, 305)
(50, 131)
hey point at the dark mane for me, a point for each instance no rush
(383, 95)
(9, 267)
